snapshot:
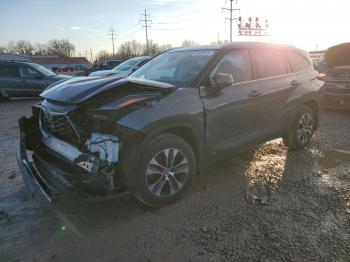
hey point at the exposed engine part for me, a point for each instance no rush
(90, 164)
(107, 146)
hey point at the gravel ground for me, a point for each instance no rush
(270, 204)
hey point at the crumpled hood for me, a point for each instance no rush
(82, 89)
(338, 55)
(104, 73)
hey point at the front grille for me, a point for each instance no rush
(59, 125)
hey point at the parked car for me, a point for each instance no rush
(109, 64)
(183, 110)
(24, 79)
(337, 79)
(124, 69)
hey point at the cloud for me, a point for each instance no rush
(76, 28)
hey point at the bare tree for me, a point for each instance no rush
(60, 47)
(103, 55)
(23, 47)
(130, 49)
(189, 43)
(3, 49)
(41, 49)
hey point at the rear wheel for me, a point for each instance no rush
(302, 128)
(166, 166)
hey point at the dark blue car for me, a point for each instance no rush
(23, 79)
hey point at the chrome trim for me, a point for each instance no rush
(48, 113)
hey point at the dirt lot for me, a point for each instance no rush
(307, 217)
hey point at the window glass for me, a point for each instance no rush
(297, 62)
(26, 71)
(269, 63)
(237, 64)
(175, 67)
(9, 71)
(128, 64)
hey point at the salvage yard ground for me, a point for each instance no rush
(307, 217)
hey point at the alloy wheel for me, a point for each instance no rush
(305, 128)
(167, 172)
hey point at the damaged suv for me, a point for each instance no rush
(153, 131)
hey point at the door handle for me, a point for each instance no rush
(295, 83)
(254, 93)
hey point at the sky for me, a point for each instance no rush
(307, 24)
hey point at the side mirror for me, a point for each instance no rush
(221, 80)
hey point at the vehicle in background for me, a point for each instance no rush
(106, 65)
(336, 93)
(154, 130)
(24, 79)
(124, 69)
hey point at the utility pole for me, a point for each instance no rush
(68, 48)
(231, 9)
(113, 36)
(146, 18)
(91, 55)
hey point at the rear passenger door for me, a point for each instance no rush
(9, 79)
(275, 86)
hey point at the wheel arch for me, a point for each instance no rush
(185, 130)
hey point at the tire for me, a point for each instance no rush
(4, 98)
(155, 182)
(302, 128)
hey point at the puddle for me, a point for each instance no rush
(333, 158)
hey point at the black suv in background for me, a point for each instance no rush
(153, 131)
(23, 79)
(107, 65)
(337, 80)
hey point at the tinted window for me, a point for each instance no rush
(237, 64)
(297, 62)
(9, 71)
(269, 63)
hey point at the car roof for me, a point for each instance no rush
(16, 62)
(233, 45)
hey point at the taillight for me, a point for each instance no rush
(322, 77)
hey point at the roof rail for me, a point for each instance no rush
(9, 60)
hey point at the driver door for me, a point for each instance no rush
(233, 113)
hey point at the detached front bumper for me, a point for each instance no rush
(31, 176)
(47, 172)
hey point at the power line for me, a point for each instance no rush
(146, 20)
(113, 36)
(231, 9)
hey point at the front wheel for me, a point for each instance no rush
(166, 166)
(302, 128)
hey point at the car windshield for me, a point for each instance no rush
(128, 64)
(176, 67)
(43, 70)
